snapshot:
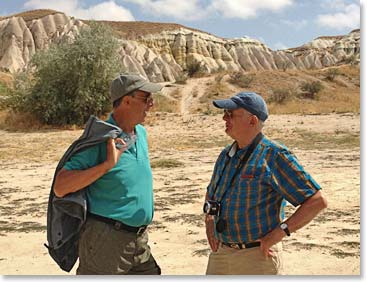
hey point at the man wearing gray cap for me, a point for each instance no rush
(118, 178)
(244, 201)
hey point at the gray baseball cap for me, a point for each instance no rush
(124, 84)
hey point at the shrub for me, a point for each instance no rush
(279, 96)
(195, 69)
(70, 81)
(182, 78)
(311, 89)
(240, 79)
(4, 94)
(332, 73)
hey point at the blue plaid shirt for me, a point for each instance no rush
(252, 206)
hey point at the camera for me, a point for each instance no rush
(220, 225)
(212, 207)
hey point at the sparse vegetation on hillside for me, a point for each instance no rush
(280, 95)
(311, 89)
(164, 104)
(133, 29)
(281, 90)
(240, 79)
(195, 69)
(34, 14)
(332, 73)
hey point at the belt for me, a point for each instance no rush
(118, 225)
(241, 246)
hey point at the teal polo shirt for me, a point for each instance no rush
(125, 192)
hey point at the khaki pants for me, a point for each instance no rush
(104, 250)
(227, 260)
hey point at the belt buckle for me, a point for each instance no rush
(234, 246)
(141, 230)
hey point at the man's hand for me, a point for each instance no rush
(114, 154)
(270, 239)
(213, 242)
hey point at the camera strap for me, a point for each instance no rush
(243, 162)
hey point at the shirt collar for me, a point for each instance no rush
(234, 150)
(111, 120)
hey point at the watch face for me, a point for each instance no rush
(283, 226)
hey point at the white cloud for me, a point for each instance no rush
(348, 18)
(179, 9)
(245, 9)
(333, 4)
(297, 25)
(108, 10)
(196, 9)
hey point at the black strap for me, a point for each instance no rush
(243, 162)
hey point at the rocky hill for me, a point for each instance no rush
(162, 52)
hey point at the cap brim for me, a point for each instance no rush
(151, 87)
(225, 104)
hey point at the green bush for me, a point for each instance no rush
(4, 93)
(311, 89)
(70, 81)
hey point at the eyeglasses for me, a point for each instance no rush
(146, 99)
(230, 114)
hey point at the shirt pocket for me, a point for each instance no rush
(252, 180)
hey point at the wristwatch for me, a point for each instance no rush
(284, 227)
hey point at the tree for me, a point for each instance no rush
(71, 81)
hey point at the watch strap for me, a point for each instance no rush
(284, 227)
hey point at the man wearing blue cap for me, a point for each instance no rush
(252, 178)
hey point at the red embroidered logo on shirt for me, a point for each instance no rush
(247, 176)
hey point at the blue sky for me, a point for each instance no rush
(279, 24)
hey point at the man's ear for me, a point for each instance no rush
(254, 120)
(126, 100)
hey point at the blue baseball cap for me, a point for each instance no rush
(250, 101)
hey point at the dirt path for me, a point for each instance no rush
(191, 93)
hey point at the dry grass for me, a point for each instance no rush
(341, 95)
(6, 78)
(165, 104)
(123, 29)
(338, 96)
(34, 14)
(132, 30)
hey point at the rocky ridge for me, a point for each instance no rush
(165, 55)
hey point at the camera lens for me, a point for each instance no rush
(206, 207)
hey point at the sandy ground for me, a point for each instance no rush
(329, 245)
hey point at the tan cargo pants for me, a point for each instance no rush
(227, 261)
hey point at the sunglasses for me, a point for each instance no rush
(147, 99)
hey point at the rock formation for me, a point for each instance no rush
(165, 55)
